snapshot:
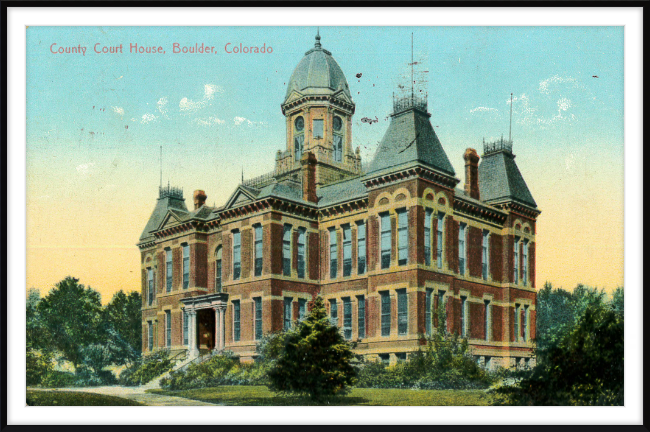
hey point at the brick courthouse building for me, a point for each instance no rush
(383, 245)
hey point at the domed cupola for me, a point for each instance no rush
(318, 108)
(318, 74)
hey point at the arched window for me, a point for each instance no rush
(337, 142)
(217, 271)
(299, 137)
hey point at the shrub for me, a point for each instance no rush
(86, 377)
(38, 367)
(315, 359)
(146, 369)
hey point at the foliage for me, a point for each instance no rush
(585, 367)
(122, 315)
(72, 314)
(222, 369)
(146, 369)
(38, 367)
(68, 398)
(315, 359)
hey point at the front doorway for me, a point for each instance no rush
(206, 329)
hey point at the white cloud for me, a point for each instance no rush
(118, 110)
(484, 109)
(208, 121)
(85, 169)
(556, 79)
(240, 120)
(162, 106)
(148, 118)
(189, 106)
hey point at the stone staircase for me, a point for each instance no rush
(181, 364)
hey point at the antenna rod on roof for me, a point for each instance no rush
(412, 77)
(510, 133)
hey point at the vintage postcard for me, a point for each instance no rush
(333, 215)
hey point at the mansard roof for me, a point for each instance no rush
(410, 140)
(342, 191)
(500, 180)
(167, 201)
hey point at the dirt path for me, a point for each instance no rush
(135, 393)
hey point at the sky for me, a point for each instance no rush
(96, 122)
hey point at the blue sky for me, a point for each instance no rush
(96, 122)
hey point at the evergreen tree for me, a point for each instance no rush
(316, 360)
(123, 315)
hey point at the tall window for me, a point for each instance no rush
(257, 301)
(361, 317)
(236, 254)
(318, 128)
(442, 308)
(150, 335)
(463, 317)
(302, 309)
(402, 312)
(385, 240)
(298, 144)
(516, 253)
(338, 148)
(347, 250)
(427, 310)
(259, 249)
(525, 263)
(333, 253)
(461, 248)
(486, 254)
(488, 319)
(186, 328)
(236, 320)
(286, 250)
(186, 266)
(385, 313)
(217, 271)
(347, 318)
(334, 312)
(361, 247)
(168, 328)
(524, 324)
(287, 312)
(427, 236)
(402, 237)
(150, 285)
(440, 239)
(168, 265)
(302, 235)
(517, 319)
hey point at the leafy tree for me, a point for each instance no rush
(37, 335)
(72, 315)
(123, 315)
(315, 360)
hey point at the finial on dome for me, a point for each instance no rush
(317, 44)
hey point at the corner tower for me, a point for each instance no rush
(318, 108)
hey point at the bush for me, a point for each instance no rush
(223, 369)
(38, 367)
(87, 377)
(146, 369)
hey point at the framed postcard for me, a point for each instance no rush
(369, 208)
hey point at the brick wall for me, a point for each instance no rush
(475, 252)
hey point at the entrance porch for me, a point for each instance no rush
(206, 323)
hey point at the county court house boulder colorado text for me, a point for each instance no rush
(384, 243)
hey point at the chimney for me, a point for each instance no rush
(199, 199)
(471, 173)
(308, 162)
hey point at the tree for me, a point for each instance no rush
(123, 314)
(72, 314)
(316, 360)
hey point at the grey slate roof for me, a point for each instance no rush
(318, 73)
(499, 179)
(340, 192)
(410, 138)
(159, 213)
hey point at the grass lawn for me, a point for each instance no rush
(260, 395)
(71, 398)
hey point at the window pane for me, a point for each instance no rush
(334, 312)
(440, 239)
(461, 249)
(361, 246)
(333, 254)
(385, 314)
(402, 312)
(259, 250)
(218, 276)
(185, 328)
(258, 318)
(338, 148)
(301, 252)
(487, 320)
(347, 251)
(297, 143)
(427, 311)
(302, 309)
(168, 328)
(516, 256)
(361, 304)
(463, 316)
(286, 251)
(236, 255)
(287, 312)
(427, 236)
(402, 232)
(150, 336)
(347, 318)
(318, 128)
(517, 318)
(186, 266)
(150, 285)
(385, 241)
(236, 317)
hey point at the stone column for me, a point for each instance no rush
(193, 349)
(217, 330)
(222, 331)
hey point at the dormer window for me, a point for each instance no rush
(318, 129)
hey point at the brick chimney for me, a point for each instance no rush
(199, 199)
(308, 162)
(471, 173)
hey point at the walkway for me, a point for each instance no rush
(135, 393)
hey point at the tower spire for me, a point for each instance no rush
(317, 44)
